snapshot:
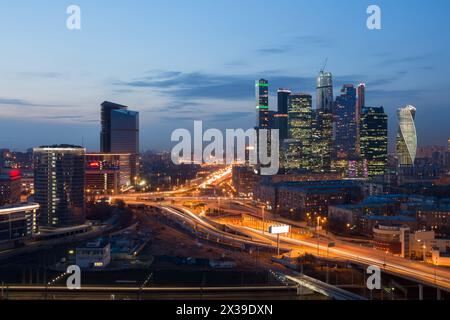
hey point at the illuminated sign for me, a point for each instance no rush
(279, 229)
(94, 164)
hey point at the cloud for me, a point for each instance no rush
(302, 42)
(200, 85)
(313, 41)
(48, 75)
(274, 50)
(394, 59)
(25, 103)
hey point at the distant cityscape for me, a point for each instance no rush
(338, 191)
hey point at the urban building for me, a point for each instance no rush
(361, 103)
(10, 186)
(392, 239)
(406, 136)
(307, 199)
(374, 140)
(424, 245)
(435, 217)
(59, 181)
(345, 133)
(282, 115)
(94, 254)
(18, 222)
(243, 178)
(298, 146)
(324, 121)
(107, 173)
(120, 133)
(262, 104)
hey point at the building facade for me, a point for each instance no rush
(262, 104)
(406, 136)
(18, 222)
(345, 114)
(374, 140)
(107, 173)
(298, 149)
(10, 186)
(59, 181)
(120, 133)
(282, 115)
(324, 122)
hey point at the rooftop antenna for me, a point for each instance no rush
(324, 65)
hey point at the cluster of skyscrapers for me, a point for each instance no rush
(339, 134)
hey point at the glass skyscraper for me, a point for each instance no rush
(406, 136)
(59, 185)
(325, 119)
(361, 102)
(282, 115)
(374, 140)
(120, 133)
(300, 129)
(345, 123)
(262, 104)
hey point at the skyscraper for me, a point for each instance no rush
(262, 104)
(345, 123)
(406, 136)
(325, 118)
(361, 102)
(282, 115)
(300, 130)
(59, 185)
(120, 133)
(374, 140)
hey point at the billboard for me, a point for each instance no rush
(279, 229)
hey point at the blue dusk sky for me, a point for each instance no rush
(180, 61)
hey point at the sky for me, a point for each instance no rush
(176, 61)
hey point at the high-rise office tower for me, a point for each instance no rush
(345, 123)
(406, 136)
(262, 104)
(325, 118)
(282, 115)
(325, 91)
(361, 102)
(300, 130)
(374, 140)
(59, 185)
(120, 133)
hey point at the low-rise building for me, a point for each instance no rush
(392, 239)
(243, 179)
(436, 218)
(107, 173)
(307, 199)
(18, 223)
(94, 254)
(10, 186)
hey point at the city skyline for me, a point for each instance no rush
(55, 99)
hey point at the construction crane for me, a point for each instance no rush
(324, 65)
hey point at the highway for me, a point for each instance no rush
(420, 272)
(212, 232)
